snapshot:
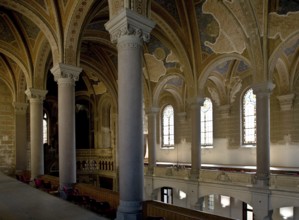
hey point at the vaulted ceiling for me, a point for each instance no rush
(216, 44)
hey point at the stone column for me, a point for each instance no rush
(66, 76)
(21, 135)
(262, 92)
(196, 137)
(36, 98)
(152, 139)
(130, 30)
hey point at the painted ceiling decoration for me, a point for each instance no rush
(190, 42)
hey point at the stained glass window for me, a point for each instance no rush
(249, 118)
(168, 126)
(207, 123)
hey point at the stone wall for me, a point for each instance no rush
(7, 131)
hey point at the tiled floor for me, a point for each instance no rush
(19, 201)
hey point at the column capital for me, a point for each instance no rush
(196, 102)
(152, 110)
(65, 71)
(36, 94)
(20, 108)
(128, 22)
(263, 87)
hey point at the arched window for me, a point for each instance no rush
(249, 118)
(168, 126)
(207, 123)
(45, 128)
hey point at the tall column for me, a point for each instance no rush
(36, 98)
(21, 135)
(196, 137)
(129, 30)
(152, 139)
(66, 76)
(263, 92)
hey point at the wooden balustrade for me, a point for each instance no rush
(99, 194)
(150, 208)
(51, 179)
(171, 212)
(96, 193)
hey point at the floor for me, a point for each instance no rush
(19, 201)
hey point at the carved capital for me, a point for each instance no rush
(263, 88)
(20, 108)
(129, 23)
(36, 94)
(152, 111)
(64, 71)
(196, 102)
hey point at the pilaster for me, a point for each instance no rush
(21, 135)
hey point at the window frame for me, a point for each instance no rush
(205, 123)
(248, 143)
(171, 135)
(167, 192)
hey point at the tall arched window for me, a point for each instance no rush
(168, 126)
(45, 128)
(249, 118)
(207, 123)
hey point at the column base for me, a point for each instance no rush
(150, 171)
(194, 174)
(129, 211)
(262, 181)
(129, 216)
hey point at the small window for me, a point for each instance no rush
(166, 195)
(249, 118)
(207, 123)
(211, 202)
(247, 212)
(45, 128)
(168, 126)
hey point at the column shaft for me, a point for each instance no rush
(130, 118)
(129, 29)
(66, 127)
(66, 76)
(262, 92)
(196, 138)
(36, 131)
(152, 139)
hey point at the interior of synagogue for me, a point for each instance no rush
(128, 108)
